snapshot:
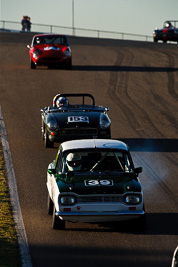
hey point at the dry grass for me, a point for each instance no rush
(9, 250)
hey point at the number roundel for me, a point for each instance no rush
(98, 182)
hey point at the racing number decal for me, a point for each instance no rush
(106, 182)
(78, 119)
(51, 48)
(98, 183)
(91, 182)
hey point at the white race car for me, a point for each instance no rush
(94, 180)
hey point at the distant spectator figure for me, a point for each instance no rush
(24, 23)
(28, 24)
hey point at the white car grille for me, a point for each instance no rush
(99, 199)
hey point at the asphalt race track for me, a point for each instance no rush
(138, 81)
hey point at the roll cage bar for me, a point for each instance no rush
(172, 21)
(74, 95)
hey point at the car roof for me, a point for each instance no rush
(94, 143)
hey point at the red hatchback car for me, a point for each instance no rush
(50, 50)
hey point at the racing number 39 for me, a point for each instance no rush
(98, 183)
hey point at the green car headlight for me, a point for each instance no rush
(104, 121)
(104, 124)
(52, 125)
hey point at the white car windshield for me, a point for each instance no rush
(98, 161)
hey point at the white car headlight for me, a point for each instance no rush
(132, 199)
(52, 125)
(67, 200)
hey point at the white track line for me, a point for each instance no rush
(17, 215)
(175, 258)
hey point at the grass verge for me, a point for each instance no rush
(9, 250)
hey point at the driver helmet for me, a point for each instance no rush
(38, 40)
(62, 102)
(168, 24)
(74, 162)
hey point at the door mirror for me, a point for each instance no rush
(51, 171)
(138, 170)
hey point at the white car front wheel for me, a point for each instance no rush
(58, 224)
(50, 205)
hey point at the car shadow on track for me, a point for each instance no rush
(151, 144)
(156, 224)
(122, 68)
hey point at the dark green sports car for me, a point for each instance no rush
(167, 33)
(74, 116)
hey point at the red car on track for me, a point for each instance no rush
(50, 50)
